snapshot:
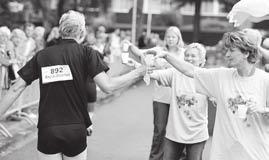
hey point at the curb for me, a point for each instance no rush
(28, 134)
(18, 141)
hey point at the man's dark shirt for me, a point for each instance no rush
(65, 101)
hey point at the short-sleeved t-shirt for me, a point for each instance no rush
(187, 120)
(161, 93)
(236, 138)
(62, 71)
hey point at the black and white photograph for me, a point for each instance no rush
(134, 79)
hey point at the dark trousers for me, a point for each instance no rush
(173, 150)
(160, 115)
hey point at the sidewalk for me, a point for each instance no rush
(23, 132)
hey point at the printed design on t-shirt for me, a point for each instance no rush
(186, 102)
(238, 101)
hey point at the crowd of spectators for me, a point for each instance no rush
(17, 47)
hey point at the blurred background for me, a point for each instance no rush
(27, 26)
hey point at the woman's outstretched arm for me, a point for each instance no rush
(184, 67)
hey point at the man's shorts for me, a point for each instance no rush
(69, 140)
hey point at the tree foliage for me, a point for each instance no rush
(228, 4)
(197, 15)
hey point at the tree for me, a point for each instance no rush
(197, 15)
(228, 4)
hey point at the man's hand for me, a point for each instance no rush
(141, 71)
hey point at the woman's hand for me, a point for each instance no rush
(253, 108)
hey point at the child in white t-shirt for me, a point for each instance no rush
(187, 120)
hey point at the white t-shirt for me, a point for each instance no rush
(235, 138)
(187, 120)
(161, 93)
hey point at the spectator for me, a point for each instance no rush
(30, 44)
(38, 36)
(53, 37)
(115, 43)
(5, 61)
(19, 38)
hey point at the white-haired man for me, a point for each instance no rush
(62, 71)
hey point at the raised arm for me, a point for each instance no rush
(12, 94)
(127, 45)
(136, 51)
(184, 67)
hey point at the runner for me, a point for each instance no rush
(242, 91)
(187, 120)
(62, 71)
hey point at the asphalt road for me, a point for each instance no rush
(122, 129)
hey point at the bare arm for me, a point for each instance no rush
(136, 51)
(182, 66)
(5, 62)
(12, 94)
(109, 84)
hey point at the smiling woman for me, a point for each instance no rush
(187, 119)
(195, 53)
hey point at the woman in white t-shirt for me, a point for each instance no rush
(161, 97)
(187, 120)
(241, 130)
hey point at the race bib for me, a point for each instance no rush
(56, 73)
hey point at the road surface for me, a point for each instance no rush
(122, 129)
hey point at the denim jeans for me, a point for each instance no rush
(173, 150)
(160, 116)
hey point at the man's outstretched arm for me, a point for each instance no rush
(109, 84)
(12, 94)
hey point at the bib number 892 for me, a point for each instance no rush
(56, 70)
